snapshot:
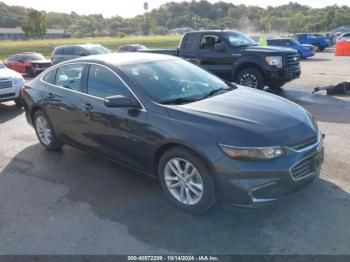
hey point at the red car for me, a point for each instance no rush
(28, 63)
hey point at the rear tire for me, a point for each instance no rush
(30, 71)
(45, 132)
(19, 102)
(251, 77)
(186, 180)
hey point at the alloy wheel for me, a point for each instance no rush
(249, 80)
(43, 129)
(183, 181)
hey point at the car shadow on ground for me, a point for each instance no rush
(9, 111)
(324, 108)
(311, 221)
(316, 59)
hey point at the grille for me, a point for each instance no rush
(292, 60)
(5, 83)
(304, 168)
(7, 95)
(305, 143)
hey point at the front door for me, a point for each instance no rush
(114, 132)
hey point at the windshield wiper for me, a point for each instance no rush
(178, 101)
(211, 93)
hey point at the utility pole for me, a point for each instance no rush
(145, 7)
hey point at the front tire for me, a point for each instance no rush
(186, 180)
(45, 131)
(30, 72)
(251, 77)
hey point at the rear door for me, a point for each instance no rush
(63, 100)
(114, 132)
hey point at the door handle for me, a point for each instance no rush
(87, 106)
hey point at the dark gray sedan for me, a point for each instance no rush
(204, 139)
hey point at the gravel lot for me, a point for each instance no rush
(72, 202)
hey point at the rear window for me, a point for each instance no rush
(58, 51)
(50, 77)
(190, 42)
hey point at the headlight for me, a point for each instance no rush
(253, 153)
(18, 79)
(275, 61)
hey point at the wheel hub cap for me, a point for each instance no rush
(183, 181)
(249, 80)
(43, 129)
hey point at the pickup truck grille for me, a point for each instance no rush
(292, 60)
(5, 83)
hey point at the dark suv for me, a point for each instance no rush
(67, 52)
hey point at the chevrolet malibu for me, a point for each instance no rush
(204, 139)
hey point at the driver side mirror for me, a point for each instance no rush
(121, 101)
(219, 47)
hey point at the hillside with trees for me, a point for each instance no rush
(291, 18)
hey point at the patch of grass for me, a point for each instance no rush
(46, 46)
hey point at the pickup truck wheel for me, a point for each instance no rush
(251, 77)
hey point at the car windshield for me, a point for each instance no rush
(33, 57)
(175, 81)
(294, 41)
(97, 50)
(2, 66)
(238, 40)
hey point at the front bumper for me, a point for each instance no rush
(257, 183)
(11, 93)
(282, 75)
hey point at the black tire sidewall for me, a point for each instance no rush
(258, 75)
(209, 194)
(55, 144)
(30, 71)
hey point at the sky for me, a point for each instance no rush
(130, 8)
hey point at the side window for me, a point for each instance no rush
(69, 76)
(79, 51)
(103, 83)
(208, 41)
(190, 42)
(69, 50)
(12, 58)
(50, 77)
(59, 51)
(19, 58)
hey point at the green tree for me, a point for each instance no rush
(35, 25)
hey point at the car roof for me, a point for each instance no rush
(119, 59)
(82, 45)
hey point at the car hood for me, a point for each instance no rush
(249, 117)
(6, 73)
(269, 49)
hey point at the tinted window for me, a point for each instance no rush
(79, 51)
(59, 51)
(103, 83)
(50, 77)
(12, 58)
(190, 42)
(69, 50)
(96, 49)
(69, 76)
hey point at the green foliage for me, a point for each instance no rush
(291, 18)
(46, 46)
(35, 25)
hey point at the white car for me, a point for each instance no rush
(11, 83)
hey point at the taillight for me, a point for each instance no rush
(21, 91)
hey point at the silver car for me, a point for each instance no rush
(67, 52)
